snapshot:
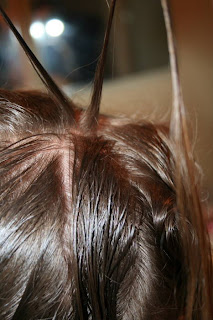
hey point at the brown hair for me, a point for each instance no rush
(100, 217)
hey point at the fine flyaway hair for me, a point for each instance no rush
(100, 217)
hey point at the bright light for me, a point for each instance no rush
(37, 30)
(54, 27)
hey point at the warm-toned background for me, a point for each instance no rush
(140, 81)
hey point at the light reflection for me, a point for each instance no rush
(37, 30)
(54, 27)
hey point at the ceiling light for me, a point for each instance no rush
(54, 27)
(37, 30)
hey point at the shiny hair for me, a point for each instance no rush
(100, 217)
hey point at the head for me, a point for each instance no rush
(99, 216)
(89, 220)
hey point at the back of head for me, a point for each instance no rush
(98, 219)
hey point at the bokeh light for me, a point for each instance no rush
(37, 30)
(54, 27)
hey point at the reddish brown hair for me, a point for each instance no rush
(100, 217)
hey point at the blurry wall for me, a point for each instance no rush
(193, 21)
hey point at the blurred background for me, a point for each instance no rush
(67, 37)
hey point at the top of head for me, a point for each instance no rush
(87, 219)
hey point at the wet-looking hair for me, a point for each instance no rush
(100, 218)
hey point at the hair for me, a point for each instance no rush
(100, 217)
